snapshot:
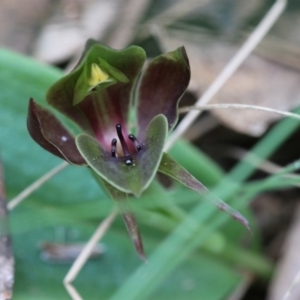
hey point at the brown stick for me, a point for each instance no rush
(6, 257)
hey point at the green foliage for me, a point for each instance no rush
(189, 255)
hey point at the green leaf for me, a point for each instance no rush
(185, 239)
(170, 167)
(70, 206)
(129, 179)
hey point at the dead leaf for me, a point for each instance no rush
(19, 22)
(258, 81)
(67, 31)
(66, 253)
(288, 267)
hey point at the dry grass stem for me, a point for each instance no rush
(129, 18)
(87, 250)
(238, 106)
(73, 292)
(34, 186)
(286, 282)
(295, 282)
(6, 255)
(263, 165)
(258, 34)
(170, 15)
(241, 290)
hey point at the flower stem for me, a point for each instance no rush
(239, 106)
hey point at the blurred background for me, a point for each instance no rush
(54, 32)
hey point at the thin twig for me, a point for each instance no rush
(34, 186)
(263, 165)
(258, 34)
(72, 292)
(176, 11)
(88, 248)
(6, 256)
(239, 106)
(288, 266)
(292, 286)
(242, 288)
(85, 254)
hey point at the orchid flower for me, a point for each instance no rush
(124, 118)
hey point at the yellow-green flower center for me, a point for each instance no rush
(97, 75)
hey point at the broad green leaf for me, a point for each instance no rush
(70, 206)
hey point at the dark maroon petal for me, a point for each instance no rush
(104, 114)
(161, 88)
(60, 96)
(34, 129)
(49, 133)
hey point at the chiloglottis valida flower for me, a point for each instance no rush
(124, 118)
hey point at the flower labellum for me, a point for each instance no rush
(124, 121)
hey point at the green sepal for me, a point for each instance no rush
(171, 168)
(114, 72)
(128, 179)
(123, 204)
(127, 64)
(82, 88)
